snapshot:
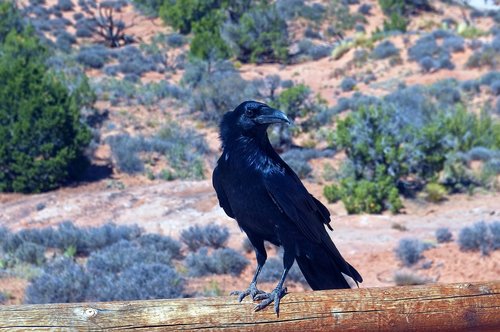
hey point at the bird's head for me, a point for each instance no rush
(250, 118)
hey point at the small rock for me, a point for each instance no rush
(40, 206)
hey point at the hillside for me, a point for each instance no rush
(155, 140)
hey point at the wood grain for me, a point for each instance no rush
(453, 307)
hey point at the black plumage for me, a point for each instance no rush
(270, 203)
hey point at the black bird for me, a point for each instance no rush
(269, 202)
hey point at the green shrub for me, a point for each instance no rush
(207, 42)
(372, 196)
(411, 137)
(394, 201)
(205, 19)
(404, 6)
(379, 151)
(389, 6)
(397, 11)
(394, 11)
(181, 14)
(261, 35)
(10, 19)
(470, 31)
(341, 49)
(435, 192)
(470, 130)
(332, 193)
(294, 101)
(395, 22)
(42, 139)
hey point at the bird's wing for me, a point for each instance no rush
(293, 199)
(221, 195)
(325, 214)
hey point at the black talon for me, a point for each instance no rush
(275, 296)
(268, 298)
(251, 290)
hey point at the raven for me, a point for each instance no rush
(269, 202)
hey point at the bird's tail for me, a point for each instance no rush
(327, 269)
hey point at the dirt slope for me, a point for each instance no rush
(367, 241)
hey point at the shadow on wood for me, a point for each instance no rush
(454, 307)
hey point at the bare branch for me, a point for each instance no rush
(111, 30)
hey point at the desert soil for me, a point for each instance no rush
(367, 241)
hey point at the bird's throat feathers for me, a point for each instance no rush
(251, 152)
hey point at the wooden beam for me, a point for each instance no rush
(454, 307)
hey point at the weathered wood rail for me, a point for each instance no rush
(453, 307)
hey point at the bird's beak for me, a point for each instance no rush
(270, 115)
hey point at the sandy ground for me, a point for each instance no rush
(367, 241)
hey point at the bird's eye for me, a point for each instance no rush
(250, 112)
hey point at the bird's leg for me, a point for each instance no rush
(280, 291)
(261, 255)
(275, 296)
(252, 289)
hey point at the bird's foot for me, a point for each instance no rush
(267, 298)
(251, 290)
